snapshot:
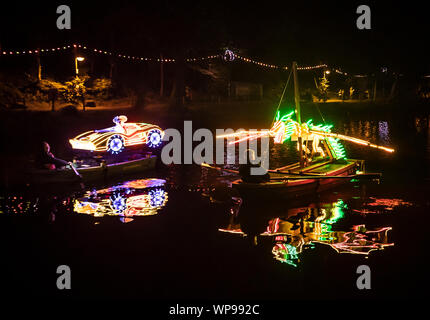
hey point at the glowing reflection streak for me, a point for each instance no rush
(356, 242)
(290, 238)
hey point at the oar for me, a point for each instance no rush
(293, 174)
(218, 168)
(81, 183)
(370, 175)
(75, 171)
(299, 176)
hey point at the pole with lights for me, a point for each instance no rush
(78, 59)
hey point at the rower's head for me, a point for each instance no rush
(46, 146)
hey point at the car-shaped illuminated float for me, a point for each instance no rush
(116, 138)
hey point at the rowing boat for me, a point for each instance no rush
(91, 173)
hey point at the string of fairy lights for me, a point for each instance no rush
(228, 56)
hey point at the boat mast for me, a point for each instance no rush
(298, 116)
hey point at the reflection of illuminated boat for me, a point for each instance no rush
(93, 172)
(310, 226)
(357, 241)
(135, 198)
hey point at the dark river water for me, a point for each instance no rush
(177, 233)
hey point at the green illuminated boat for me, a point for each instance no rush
(322, 160)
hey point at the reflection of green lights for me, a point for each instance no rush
(290, 263)
(326, 233)
(337, 212)
(291, 249)
(325, 227)
(290, 255)
(323, 238)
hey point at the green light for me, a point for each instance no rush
(286, 117)
(339, 151)
(337, 212)
(291, 127)
(291, 255)
(336, 146)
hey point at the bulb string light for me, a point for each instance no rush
(80, 46)
(233, 57)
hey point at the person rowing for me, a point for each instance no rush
(48, 161)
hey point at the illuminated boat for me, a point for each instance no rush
(322, 160)
(118, 137)
(92, 172)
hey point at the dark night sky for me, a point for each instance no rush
(274, 32)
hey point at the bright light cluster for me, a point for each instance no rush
(154, 138)
(336, 147)
(122, 135)
(285, 128)
(122, 202)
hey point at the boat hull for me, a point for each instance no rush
(292, 189)
(92, 174)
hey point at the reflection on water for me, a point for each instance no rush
(129, 199)
(381, 205)
(133, 198)
(326, 235)
(384, 133)
(325, 223)
(18, 205)
(358, 241)
(377, 131)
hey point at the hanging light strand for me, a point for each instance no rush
(141, 58)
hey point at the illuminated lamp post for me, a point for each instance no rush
(80, 59)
